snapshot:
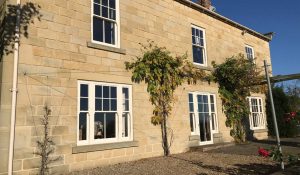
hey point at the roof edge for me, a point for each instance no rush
(224, 19)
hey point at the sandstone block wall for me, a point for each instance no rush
(55, 56)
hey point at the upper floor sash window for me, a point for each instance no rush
(105, 22)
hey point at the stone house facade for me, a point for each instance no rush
(73, 62)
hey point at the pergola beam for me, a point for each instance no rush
(280, 78)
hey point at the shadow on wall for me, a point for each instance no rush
(28, 11)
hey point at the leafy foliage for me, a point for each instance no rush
(285, 103)
(27, 11)
(236, 77)
(162, 73)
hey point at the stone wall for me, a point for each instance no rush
(5, 95)
(55, 56)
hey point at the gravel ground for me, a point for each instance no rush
(191, 163)
(233, 160)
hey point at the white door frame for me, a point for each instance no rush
(195, 94)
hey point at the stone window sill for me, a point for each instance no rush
(101, 147)
(260, 130)
(204, 67)
(106, 48)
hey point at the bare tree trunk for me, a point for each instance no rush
(164, 132)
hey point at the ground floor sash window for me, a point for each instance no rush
(104, 112)
(257, 118)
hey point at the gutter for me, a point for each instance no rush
(267, 37)
(14, 91)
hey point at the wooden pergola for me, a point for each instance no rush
(280, 78)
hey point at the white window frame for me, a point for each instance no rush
(253, 53)
(91, 113)
(117, 26)
(262, 119)
(204, 47)
(196, 119)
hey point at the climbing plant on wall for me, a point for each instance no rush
(162, 73)
(236, 78)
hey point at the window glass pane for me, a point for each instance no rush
(84, 90)
(212, 108)
(192, 122)
(213, 121)
(260, 105)
(110, 125)
(105, 12)
(126, 105)
(194, 40)
(206, 107)
(201, 33)
(98, 105)
(113, 105)
(201, 42)
(200, 107)
(98, 29)
(97, 9)
(109, 32)
(105, 91)
(197, 32)
(113, 92)
(193, 31)
(198, 55)
(205, 99)
(105, 2)
(200, 98)
(212, 103)
(125, 122)
(82, 126)
(97, 1)
(104, 125)
(191, 107)
(112, 14)
(105, 104)
(84, 104)
(191, 98)
(98, 91)
(99, 126)
(112, 4)
(125, 93)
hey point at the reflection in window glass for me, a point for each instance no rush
(82, 126)
(125, 122)
(105, 125)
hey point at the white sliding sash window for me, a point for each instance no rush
(105, 22)
(105, 113)
(257, 118)
(199, 46)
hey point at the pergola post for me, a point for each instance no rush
(273, 112)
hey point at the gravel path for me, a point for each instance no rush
(192, 163)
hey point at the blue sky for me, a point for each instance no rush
(281, 17)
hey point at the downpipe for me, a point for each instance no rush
(14, 90)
